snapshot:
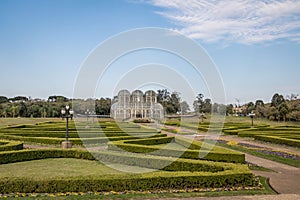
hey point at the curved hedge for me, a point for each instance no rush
(140, 146)
(75, 141)
(278, 140)
(200, 174)
(10, 145)
(154, 162)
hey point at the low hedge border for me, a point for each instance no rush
(10, 145)
(75, 141)
(220, 155)
(230, 174)
(278, 140)
(155, 162)
(158, 181)
(62, 134)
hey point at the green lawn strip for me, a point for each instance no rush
(279, 159)
(4, 122)
(54, 168)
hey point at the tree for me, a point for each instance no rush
(170, 102)
(163, 95)
(250, 107)
(207, 106)
(19, 99)
(103, 106)
(283, 110)
(3, 99)
(277, 99)
(259, 103)
(198, 103)
(260, 108)
(184, 107)
(55, 98)
(23, 110)
(13, 110)
(229, 109)
(175, 102)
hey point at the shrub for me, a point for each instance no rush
(10, 145)
(151, 181)
(141, 121)
(278, 140)
(221, 155)
(77, 141)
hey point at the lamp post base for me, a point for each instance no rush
(66, 144)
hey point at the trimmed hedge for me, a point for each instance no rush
(62, 134)
(10, 145)
(76, 141)
(155, 162)
(227, 174)
(220, 155)
(151, 141)
(153, 181)
(278, 140)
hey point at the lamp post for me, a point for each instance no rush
(93, 115)
(87, 113)
(252, 116)
(68, 114)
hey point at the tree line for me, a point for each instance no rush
(279, 109)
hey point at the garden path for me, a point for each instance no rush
(254, 197)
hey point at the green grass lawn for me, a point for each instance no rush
(52, 168)
(15, 121)
(59, 168)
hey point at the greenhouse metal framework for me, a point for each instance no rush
(137, 105)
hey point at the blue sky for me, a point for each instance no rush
(254, 44)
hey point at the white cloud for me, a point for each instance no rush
(240, 21)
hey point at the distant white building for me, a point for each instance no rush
(137, 105)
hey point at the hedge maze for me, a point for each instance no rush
(175, 162)
(285, 135)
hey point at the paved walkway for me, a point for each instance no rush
(255, 197)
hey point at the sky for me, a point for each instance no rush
(254, 44)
